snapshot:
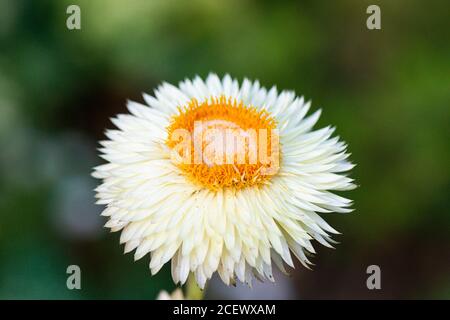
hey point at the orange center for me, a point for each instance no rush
(221, 143)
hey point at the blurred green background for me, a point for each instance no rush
(387, 92)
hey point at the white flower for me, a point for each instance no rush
(205, 215)
(176, 295)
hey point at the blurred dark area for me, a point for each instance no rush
(387, 91)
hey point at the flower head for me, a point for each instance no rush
(217, 176)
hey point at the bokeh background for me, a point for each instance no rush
(386, 91)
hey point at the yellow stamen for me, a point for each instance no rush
(221, 124)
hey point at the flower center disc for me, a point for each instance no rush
(221, 143)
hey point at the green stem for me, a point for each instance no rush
(193, 292)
